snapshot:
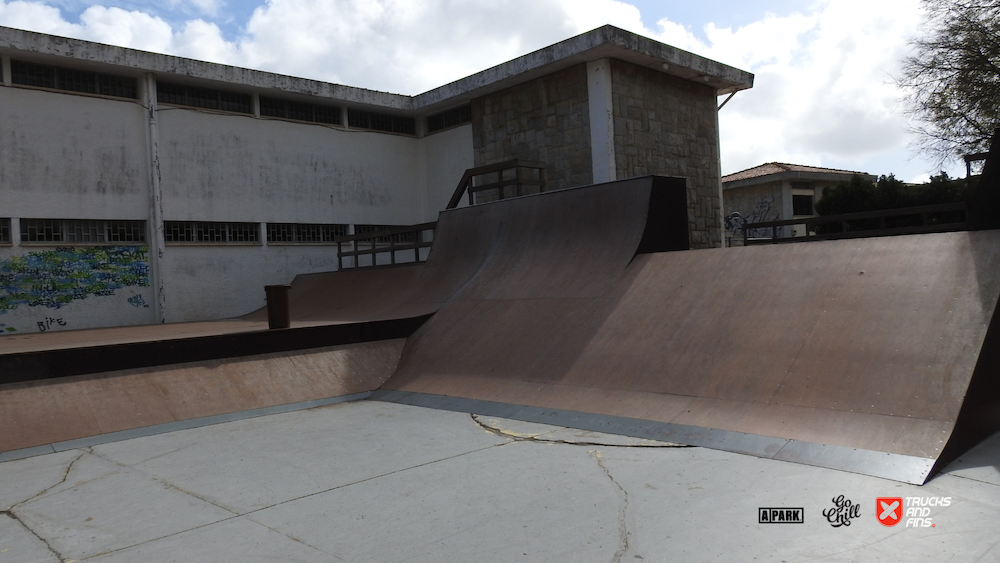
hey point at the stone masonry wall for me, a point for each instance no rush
(545, 119)
(667, 125)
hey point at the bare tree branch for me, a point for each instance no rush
(952, 82)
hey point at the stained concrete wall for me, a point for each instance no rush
(223, 167)
(71, 157)
(445, 157)
(667, 125)
(67, 156)
(546, 119)
(217, 282)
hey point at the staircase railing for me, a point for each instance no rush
(389, 241)
(491, 182)
(510, 178)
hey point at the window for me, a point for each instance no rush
(4, 231)
(381, 122)
(181, 95)
(82, 231)
(270, 107)
(802, 205)
(210, 232)
(304, 232)
(71, 80)
(449, 118)
(399, 237)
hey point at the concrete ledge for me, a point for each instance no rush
(33, 366)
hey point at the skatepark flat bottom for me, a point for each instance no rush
(377, 481)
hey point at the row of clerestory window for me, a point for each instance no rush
(74, 232)
(73, 80)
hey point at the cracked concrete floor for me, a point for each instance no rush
(372, 481)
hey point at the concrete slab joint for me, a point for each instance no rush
(10, 510)
(622, 512)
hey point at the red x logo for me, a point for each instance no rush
(889, 510)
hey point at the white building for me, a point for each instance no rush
(142, 188)
(775, 191)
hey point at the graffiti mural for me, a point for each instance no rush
(736, 223)
(58, 277)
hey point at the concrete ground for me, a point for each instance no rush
(373, 481)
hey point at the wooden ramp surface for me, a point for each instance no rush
(855, 354)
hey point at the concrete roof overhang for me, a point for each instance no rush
(603, 42)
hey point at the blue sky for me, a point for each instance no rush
(823, 93)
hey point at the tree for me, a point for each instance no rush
(860, 194)
(953, 79)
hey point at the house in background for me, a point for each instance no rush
(775, 192)
(144, 188)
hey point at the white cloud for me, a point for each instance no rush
(209, 8)
(821, 96)
(822, 91)
(128, 29)
(406, 46)
(34, 16)
(203, 40)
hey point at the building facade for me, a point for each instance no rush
(143, 188)
(775, 192)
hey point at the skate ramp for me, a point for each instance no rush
(607, 222)
(877, 356)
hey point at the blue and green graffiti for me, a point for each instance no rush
(53, 278)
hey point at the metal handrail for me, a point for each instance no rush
(517, 164)
(391, 246)
(923, 211)
(465, 185)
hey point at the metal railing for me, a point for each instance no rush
(388, 241)
(932, 219)
(492, 182)
(511, 178)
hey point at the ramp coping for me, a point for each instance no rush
(897, 467)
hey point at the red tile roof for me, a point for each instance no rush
(778, 168)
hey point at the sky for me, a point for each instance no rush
(823, 92)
